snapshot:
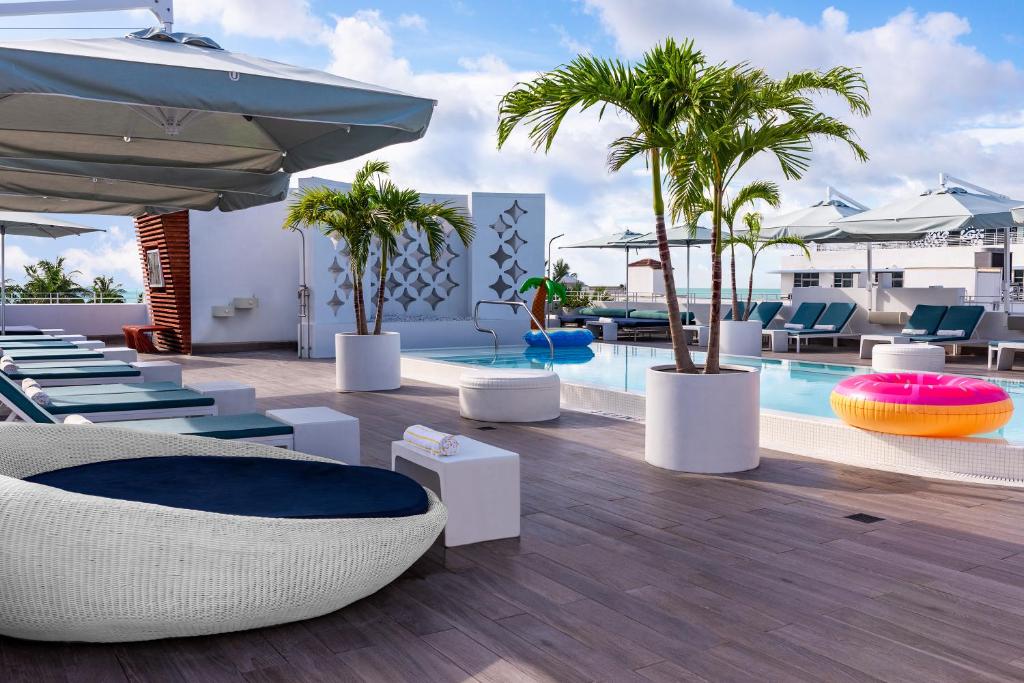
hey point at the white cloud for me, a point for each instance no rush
(276, 19)
(412, 21)
(566, 40)
(116, 255)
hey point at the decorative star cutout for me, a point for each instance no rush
(500, 287)
(515, 242)
(434, 299)
(406, 299)
(500, 226)
(515, 272)
(335, 303)
(515, 211)
(499, 256)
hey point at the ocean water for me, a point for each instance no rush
(760, 293)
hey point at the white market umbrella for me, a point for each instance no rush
(680, 236)
(815, 223)
(29, 225)
(956, 205)
(622, 239)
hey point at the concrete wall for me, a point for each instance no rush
(244, 254)
(88, 319)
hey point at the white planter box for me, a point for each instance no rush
(703, 423)
(368, 362)
(741, 338)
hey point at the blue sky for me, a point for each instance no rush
(946, 79)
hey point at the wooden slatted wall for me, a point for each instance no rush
(171, 304)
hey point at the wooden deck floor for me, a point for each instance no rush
(625, 572)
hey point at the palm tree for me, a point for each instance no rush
(106, 291)
(46, 280)
(401, 208)
(656, 95)
(751, 239)
(547, 290)
(743, 113)
(560, 270)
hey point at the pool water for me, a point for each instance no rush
(786, 385)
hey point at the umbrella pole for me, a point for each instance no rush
(1007, 271)
(3, 280)
(689, 301)
(627, 279)
(871, 283)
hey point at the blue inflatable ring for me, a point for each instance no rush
(561, 337)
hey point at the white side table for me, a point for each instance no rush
(73, 338)
(159, 371)
(1003, 354)
(122, 353)
(322, 431)
(606, 331)
(779, 340)
(232, 398)
(479, 485)
(870, 341)
(909, 358)
(91, 344)
(703, 333)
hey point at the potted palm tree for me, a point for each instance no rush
(700, 124)
(374, 212)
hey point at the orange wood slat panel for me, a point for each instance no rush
(171, 304)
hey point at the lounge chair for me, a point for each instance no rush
(45, 344)
(143, 563)
(765, 312)
(70, 373)
(829, 326)
(582, 315)
(44, 354)
(803, 318)
(957, 325)
(742, 306)
(924, 320)
(106, 407)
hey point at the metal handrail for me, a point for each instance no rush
(510, 304)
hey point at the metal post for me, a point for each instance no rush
(871, 283)
(627, 279)
(546, 311)
(3, 279)
(1007, 271)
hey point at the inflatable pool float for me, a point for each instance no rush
(921, 404)
(561, 337)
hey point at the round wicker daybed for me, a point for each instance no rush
(77, 567)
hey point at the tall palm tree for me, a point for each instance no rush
(51, 279)
(656, 95)
(751, 239)
(350, 217)
(106, 291)
(745, 113)
(402, 208)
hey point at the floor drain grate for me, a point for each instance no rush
(866, 518)
(486, 429)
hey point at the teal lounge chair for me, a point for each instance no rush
(805, 316)
(70, 373)
(46, 344)
(30, 355)
(743, 307)
(957, 325)
(687, 317)
(829, 326)
(110, 407)
(765, 312)
(248, 427)
(925, 319)
(27, 338)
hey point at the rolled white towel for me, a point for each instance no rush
(27, 383)
(77, 420)
(38, 395)
(431, 440)
(7, 364)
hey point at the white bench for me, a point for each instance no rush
(479, 485)
(509, 395)
(869, 341)
(909, 358)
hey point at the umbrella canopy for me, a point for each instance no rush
(812, 224)
(173, 99)
(952, 209)
(29, 225)
(679, 236)
(52, 185)
(617, 240)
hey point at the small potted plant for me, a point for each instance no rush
(373, 212)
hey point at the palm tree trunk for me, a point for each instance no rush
(736, 315)
(750, 283)
(537, 308)
(357, 299)
(680, 351)
(711, 365)
(378, 315)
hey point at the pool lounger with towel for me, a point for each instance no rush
(803, 318)
(67, 373)
(957, 325)
(107, 407)
(297, 536)
(829, 326)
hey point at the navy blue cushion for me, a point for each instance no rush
(253, 487)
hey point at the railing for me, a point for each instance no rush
(510, 304)
(73, 298)
(974, 238)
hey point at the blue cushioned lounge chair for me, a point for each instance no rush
(957, 325)
(765, 312)
(925, 319)
(829, 326)
(76, 373)
(742, 307)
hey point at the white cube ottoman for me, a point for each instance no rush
(232, 398)
(509, 395)
(479, 485)
(322, 431)
(122, 353)
(73, 338)
(159, 371)
(908, 358)
(91, 344)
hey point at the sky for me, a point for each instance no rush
(946, 85)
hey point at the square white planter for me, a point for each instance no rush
(368, 362)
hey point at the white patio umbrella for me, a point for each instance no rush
(617, 240)
(815, 223)
(956, 205)
(29, 225)
(680, 236)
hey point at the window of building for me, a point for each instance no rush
(842, 279)
(896, 278)
(805, 279)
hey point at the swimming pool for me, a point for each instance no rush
(788, 386)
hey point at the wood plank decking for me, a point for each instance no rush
(628, 573)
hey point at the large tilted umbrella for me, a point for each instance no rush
(28, 225)
(617, 240)
(61, 186)
(815, 223)
(173, 99)
(954, 206)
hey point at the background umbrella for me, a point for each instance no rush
(28, 225)
(951, 208)
(679, 236)
(173, 99)
(617, 240)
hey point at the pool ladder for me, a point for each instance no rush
(513, 305)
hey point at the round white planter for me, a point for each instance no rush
(368, 362)
(741, 338)
(703, 423)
